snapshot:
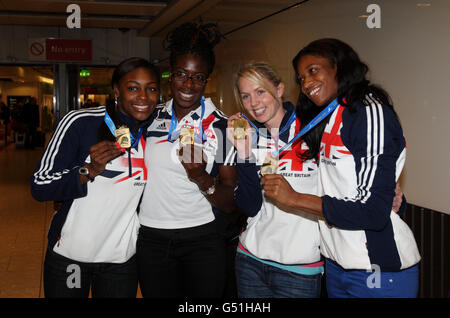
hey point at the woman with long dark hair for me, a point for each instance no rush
(181, 251)
(92, 236)
(359, 145)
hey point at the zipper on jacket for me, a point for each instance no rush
(129, 163)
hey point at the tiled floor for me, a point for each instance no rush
(23, 225)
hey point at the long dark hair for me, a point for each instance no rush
(190, 38)
(124, 67)
(353, 86)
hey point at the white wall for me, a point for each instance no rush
(409, 56)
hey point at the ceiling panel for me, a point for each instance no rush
(90, 22)
(149, 18)
(147, 8)
(94, 14)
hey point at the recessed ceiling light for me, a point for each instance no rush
(424, 4)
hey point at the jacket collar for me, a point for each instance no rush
(131, 123)
(196, 113)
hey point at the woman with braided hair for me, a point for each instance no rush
(180, 250)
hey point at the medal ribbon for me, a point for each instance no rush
(112, 128)
(173, 135)
(324, 113)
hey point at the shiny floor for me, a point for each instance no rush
(23, 225)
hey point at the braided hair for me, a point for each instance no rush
(190, 38)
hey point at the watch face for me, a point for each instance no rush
(83, 171)
(211, 190)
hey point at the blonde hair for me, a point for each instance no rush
(256, 72)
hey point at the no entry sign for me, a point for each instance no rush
(36, 49)
(68, 50)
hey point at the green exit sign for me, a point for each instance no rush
(85, 73)
(165, 74)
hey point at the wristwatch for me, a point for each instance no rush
(210, 190)
(85, 172)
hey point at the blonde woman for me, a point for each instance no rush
(278, 253)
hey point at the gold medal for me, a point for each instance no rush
(270, 165)
(123, 137)
(239, 127)
(186, 136)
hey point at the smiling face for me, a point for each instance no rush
(258, 101)
(188, 91)
(317, 77)
(137, 93)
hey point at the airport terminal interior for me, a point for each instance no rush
(272, 30)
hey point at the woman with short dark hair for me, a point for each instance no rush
(92, 236)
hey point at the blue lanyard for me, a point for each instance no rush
(324, 113)
(112, 128)
(173, 135)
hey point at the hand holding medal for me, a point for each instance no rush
(123, 136)
(241, 136)
(193, 160)
(239, 132)
(102, 153)
(277, 189)
(187, 137)
(270, 165)
(239, 128)
(191, 155)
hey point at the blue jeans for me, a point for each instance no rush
(342, 283)
(66, 278)
(258, 280)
